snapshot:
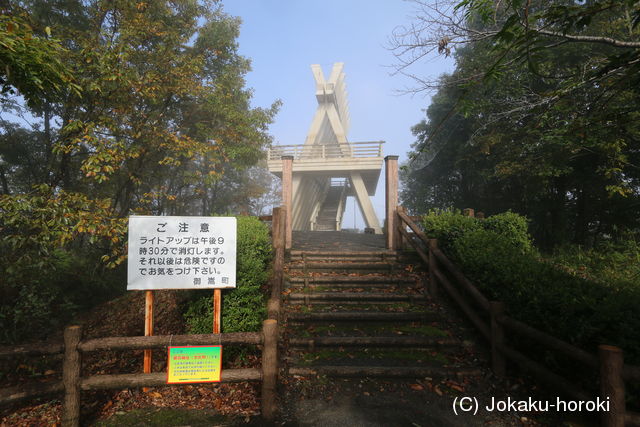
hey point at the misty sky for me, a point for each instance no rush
(284, 37)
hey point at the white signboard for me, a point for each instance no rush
(181, 252)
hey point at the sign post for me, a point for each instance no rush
(181, 252)
(148, 331)
(217, 310)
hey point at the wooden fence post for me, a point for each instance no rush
(402, 244)
(391, 200)
(275, 226)
(278, 237)
(498, 361)
(269, 369)
(612, 385)
(287, 197)
(71, 377)
(433, 286)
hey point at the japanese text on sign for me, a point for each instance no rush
(170, 252)
(194, 364)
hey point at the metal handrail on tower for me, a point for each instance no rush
(322, 151)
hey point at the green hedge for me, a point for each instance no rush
(497, 254)
(243, 308)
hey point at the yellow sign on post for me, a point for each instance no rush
(194, 364)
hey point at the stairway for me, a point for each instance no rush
(364, 314)
(326, 219)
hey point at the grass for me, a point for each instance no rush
(395, 307)
(427, 330)
(607, 264)
(423, 330)
(376, 354)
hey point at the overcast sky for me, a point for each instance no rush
(284, 37)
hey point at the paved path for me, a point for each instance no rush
(336, 241)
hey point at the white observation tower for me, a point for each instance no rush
(327, 168)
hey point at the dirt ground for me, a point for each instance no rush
(124, 316)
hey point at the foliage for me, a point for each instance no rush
(33, 225)
(527, 30)
(163, 112)
(31, 62)
(162, 115)
(513, 227)
(447, 225)
(450, 225)
(609, 262)
(243, 308)
(32, 307)
(246, 191)
(46, 273)
(540, 116)
(499, 260)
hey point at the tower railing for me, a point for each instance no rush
(319, 151)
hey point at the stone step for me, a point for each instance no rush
(362, 260)
(371, 329)
(340, 267)
(352, 297)
(356, 316)
(382, 254)
(376, 341)
(352, 286)
(386, 371)
(326, 227)
(335, 279)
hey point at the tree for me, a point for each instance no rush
(523, 30)
(163, 109)
(31, 62)
(162, 113)
(548, 132)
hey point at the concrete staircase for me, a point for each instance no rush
(364, 314)
(326, 219)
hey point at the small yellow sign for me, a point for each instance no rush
(194, 364)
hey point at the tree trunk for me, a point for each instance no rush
(580, 235)
(3, 181)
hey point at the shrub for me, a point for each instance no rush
(34, 301)
(447, 225)
(243, 308)
(606, 263)
(51, 243)
(497, 255)
(512, 227)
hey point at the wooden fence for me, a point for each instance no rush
(489, 318)
(73, 347)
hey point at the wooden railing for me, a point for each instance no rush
(73, 347)
(489, 318)
(278, 230)
(308, 152)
